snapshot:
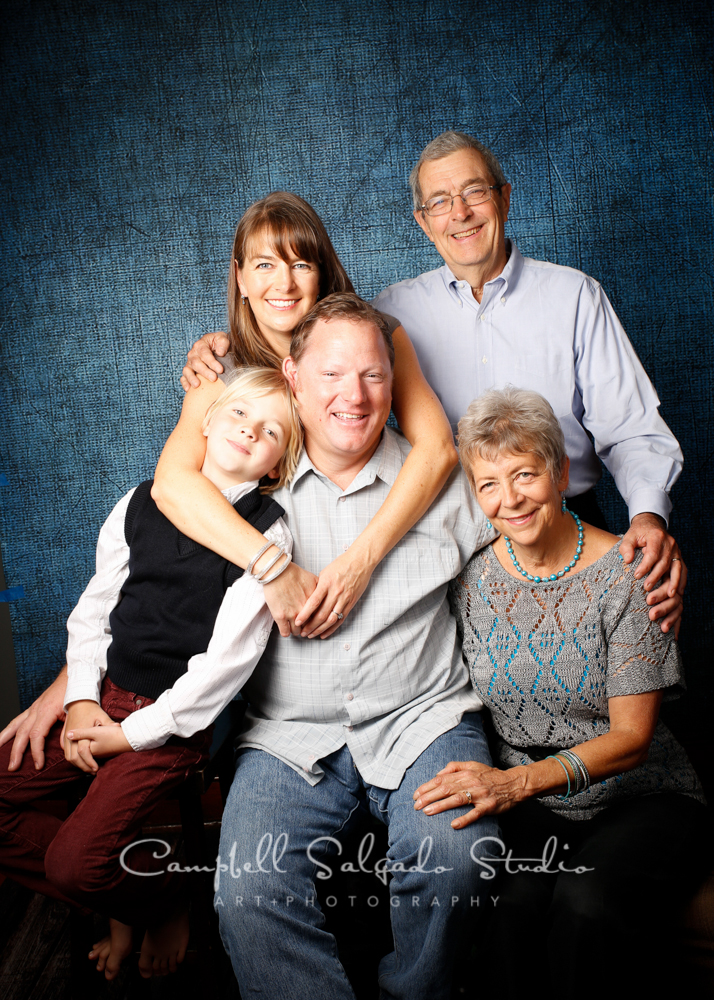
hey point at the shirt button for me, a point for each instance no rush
(139, 702)
(345, 547)
(350, 696)
(484, 360)
(350, 728)
(311, 756)
(482, 318)
(342, 499)
(503, 300)
(347, 645)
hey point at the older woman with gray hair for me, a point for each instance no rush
(603, 815)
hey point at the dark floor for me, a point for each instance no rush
(43, 948)
(43, 952)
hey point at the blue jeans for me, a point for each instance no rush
(280, 834)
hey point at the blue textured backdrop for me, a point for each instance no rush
(134, 135)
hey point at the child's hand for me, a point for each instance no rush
(104, 741)
(83, 715)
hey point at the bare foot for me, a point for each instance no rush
(164, 946)
(111, 951)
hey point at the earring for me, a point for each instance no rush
(244, 299)
(562, 505)
(489, 525)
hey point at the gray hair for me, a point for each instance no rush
(446, 144)
(511, 420)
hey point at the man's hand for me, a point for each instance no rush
(286, 597)
(202, 359)
(104, 741)
(339, 587)
(663, 561)
(83, 715)
(35, 722)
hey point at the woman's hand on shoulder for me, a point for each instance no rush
(339, 587)
(662, 560)
(462, 783)
(203, 359)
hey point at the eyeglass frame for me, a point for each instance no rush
(489, 188)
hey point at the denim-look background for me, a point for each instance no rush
(134, 136)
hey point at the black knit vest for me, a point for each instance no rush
(170, 599)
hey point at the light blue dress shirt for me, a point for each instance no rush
(549, 328)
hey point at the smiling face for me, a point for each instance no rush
(280, 292)
(343, 385)
(245, 439)
(469, 238)
(518, 495)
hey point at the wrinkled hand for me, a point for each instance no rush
(202, 359)
(492, 790)
(34, 724)
(104, 741)
(83, 715)
(286, 596)
(339, 586)
(663, 561)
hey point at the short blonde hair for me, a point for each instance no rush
(511, 420)
(252, 383)
(340, 305)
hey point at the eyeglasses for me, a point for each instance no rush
(443, 203)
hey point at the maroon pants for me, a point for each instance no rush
(78, 860)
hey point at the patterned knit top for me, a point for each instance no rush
(545, 658)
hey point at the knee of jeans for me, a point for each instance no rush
(448, 856)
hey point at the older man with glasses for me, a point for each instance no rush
(489, 317)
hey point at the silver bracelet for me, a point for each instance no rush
(580, 771)
(280, 569)
(256, 557)
(265, 569)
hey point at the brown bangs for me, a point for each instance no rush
(287, 238)
(292, 228)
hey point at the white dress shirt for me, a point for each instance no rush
(549, 328)
(391, 679)
(213, 677)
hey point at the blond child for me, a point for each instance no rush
(164, 636)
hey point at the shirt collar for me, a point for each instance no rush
(234, 493)
(385, 463)
(509, 275)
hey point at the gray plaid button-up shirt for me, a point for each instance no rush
(391, 679)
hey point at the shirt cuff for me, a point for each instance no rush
(650, 501)
(147, 729)
(82, 689)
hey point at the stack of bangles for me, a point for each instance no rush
(581, 778)
(262, 577)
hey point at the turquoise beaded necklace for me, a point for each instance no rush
(553, 576)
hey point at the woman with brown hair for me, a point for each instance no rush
(282, 263)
